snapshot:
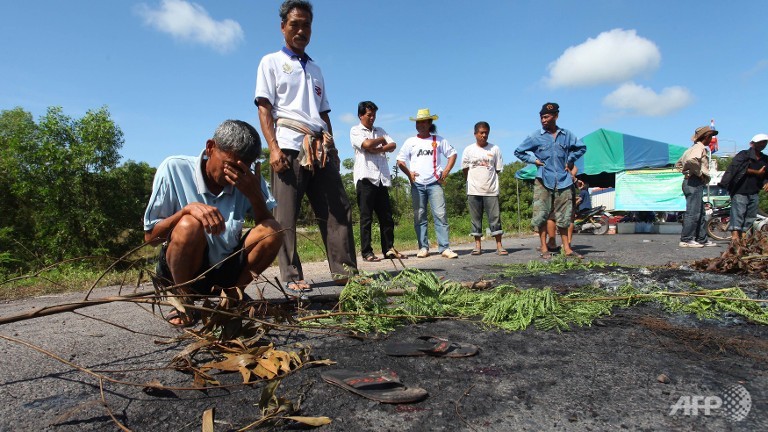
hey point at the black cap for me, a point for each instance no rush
(549, 108)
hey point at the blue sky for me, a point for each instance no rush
(171, 70)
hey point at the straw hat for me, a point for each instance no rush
(423, 114)
(701, 132)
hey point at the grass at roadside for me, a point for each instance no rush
(66, 278)
(311, 243)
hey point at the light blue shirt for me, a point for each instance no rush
(555, 152)
(179, 181)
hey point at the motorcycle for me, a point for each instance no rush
(719, 218)
(593, 220)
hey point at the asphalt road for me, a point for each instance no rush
(41, 393)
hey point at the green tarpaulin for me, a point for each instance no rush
(609, 152)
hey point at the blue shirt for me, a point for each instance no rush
(555, 152)
(586, 200)
(179, 181)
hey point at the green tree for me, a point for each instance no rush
(515, 198)
(455, 190)
(18, 132)
(348, 180)
(400, 198)
(66, 195)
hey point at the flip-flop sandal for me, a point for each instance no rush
(574, 255)
(188, 319)
(476, 252)
(502, 252)
(545, 255)
(395, 255)
(382, 386)
(372, 258)
(297, 286)
(431, 346)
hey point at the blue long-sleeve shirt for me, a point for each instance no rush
(555, 152)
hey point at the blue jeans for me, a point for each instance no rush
(743, 212)
(694, 222)
(490, 204)
(433, 193)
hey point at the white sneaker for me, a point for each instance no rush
(449, 254)
(709, 243)
(690, 244)
(423, 253)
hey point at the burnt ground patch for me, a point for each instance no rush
(600, 377)
(603, 377)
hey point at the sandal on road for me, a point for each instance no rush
(382, 386)
(393, 254)
(371, 258)
(183, 320)
(431, 346)
(545, 255)
(501, 252)
(299, 286)
(574, 255)
(476, 252)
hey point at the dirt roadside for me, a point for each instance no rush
(602, 377)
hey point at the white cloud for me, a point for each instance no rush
(349, 118)
(757, 69)
(633, 99)
(190, 22)
(612, 57)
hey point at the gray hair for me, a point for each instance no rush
(289, 5)
(239, 138)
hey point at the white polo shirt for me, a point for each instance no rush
(295, 92)
(424, 159)
(482, 164)
(371, 166)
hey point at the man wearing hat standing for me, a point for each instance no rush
(744, 177)
(423, 155)
(294, 116)
(553, 150)
(694, 164)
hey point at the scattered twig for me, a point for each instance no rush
(109, 411)
(457, 404)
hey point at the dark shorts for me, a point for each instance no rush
(225, 276)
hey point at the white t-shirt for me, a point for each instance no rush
(423, 157)
(371, 166)
(482, 164)
(295, 93)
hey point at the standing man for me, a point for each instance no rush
(197, 210)
(372, 180)
(293, 112)
(423, 154)
(744, 178)
(481, 163)
(694, 164)
(553, 150)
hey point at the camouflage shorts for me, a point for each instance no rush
(546, 201)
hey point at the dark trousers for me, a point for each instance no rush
(334, 216)
(370, 199)
(694, 221)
